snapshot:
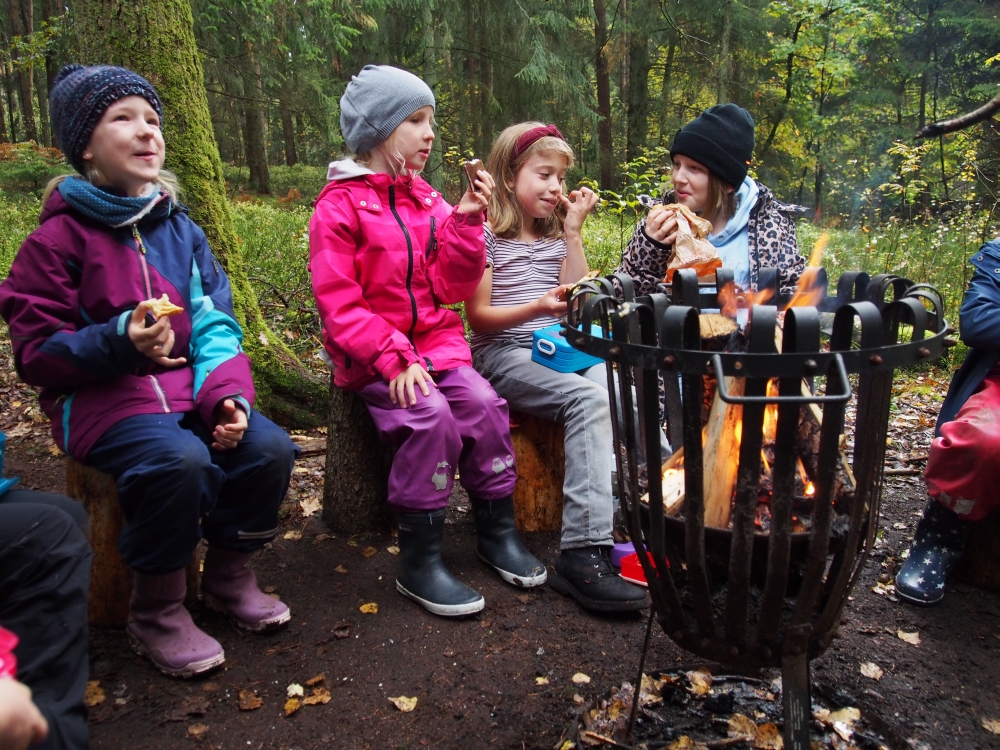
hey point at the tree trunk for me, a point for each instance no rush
(357, 468)
(157, 40)
(43, 107)
(4, 138)
(783, 107)
(22, 75)
(605, 135)
(253, 114)
(665, 90)
(724, 63)
(287, 127)
(638, 94)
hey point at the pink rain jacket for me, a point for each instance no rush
(386, 253)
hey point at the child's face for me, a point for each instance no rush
(690, 180)
(539, 184)
(126, 147)
(414, 137)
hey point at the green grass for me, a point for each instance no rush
(18, 218)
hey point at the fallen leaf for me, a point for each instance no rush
(701, 681)
(293, 535)
(310, 506)
(322, 537)
(742, 726)
(93, 695)
(991, 725)
(341, 631)
(524, 598)
(197, 730)
(263, 338)
(340, 569)
(768, 738)
(295, 690)
(249, 700)
(352, 543)
(871, 670)
(312, 682)
(393, 550)
(370, 608)
(319, 695)
(580, 679)
(369, 551)
(404, 704)
(911, 638)
(686, 743)
(210, 687)
(578, 699)
(541, 680)
(450, 653)
(292, 705)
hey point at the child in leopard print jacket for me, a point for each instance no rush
(752, 229)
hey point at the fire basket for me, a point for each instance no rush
(730, 581)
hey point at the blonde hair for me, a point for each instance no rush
(166, 180)
(504, 213)
(721, 199)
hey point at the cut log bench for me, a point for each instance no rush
(357, 470)
(110, 580)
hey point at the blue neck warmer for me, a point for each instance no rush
(105, 207)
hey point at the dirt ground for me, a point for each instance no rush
(475, 679)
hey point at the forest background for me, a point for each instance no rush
(838, 88)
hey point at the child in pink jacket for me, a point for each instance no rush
(387, 253)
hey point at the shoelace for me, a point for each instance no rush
(604, 566)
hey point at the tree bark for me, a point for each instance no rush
(4, 138)
(41, 91)
(23, 75)
(638, 94)
(253, 114)
(665, 89)
(724, 63)
(783, 107)
(288, 127)
(605, 134)
(157, 41)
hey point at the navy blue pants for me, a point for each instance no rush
(44, 578)
(174, 489)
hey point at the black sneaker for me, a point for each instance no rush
(587, 575)
(937, 546)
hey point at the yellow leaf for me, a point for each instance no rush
(580, 678)
(249, 700)
(701, 681)
(871, 670)
(197, 730)
(768, 738)
(292, 705)
(293, 535)
(686, 743)
(393, 550)
(369, 551)
(742, 726)
(370, 608)
(340, 569)
(541, 680)
(991, 725)
(404, 704)
(911, 638)
(94, 695)
(321, 677)
(319, 695)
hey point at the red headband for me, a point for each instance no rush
(533, 135)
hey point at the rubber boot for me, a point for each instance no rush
(587, 575)
(230, 587)
(160, 628)
(422, 574)
(937, 545)
(500, 547)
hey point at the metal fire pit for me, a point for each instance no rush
(700, 580)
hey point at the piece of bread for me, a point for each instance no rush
(700, 227)
(472, 168)
(163, 307)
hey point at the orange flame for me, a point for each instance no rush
(809, 292)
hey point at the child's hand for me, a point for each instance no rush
(401, 387)
(662, 226)
(156, 341)
(578, 204)
(474, 202)
(21, 723)
(553, 302)
(230, 424)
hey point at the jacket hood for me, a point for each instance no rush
(345, 169)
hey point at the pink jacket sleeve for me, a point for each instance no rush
(347, 319)
(461, 258)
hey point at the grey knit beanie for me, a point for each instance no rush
(81, 95)
(376, 101)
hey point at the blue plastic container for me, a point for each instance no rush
(5, 484)
(549, 347)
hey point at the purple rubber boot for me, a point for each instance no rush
(230, 587)
(160, 628)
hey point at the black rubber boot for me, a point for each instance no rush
(587, 575)
(422, 574)
(937, 545)
(500, 547)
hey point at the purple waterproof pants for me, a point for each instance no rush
(463, 423)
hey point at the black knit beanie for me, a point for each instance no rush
(721, 139)
(81, 95)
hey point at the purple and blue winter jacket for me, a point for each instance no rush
(68, 299)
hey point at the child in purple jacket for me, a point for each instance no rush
(165, 405)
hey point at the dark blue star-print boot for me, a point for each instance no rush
(937, 545)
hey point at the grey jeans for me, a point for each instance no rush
(580, 402)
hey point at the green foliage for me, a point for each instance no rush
(302, 177)
(18, 218)
(26, 168)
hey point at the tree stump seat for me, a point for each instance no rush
(540, 456)
(110, 580)
(980, 565)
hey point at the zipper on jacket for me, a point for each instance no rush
(140, 250)
(432, 245)
(430, 365)
(409, 263)
(158, 390)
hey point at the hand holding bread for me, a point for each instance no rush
(676, 225)
(157, 340)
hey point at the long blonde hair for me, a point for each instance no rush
(504, 212)
(167, 181)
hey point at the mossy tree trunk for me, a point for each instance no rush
(157, 40)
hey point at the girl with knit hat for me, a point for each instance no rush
(751, 229)
(161, 401)
(387, 253)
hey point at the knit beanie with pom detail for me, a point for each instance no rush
(721, 139)
(81, 95)
(376, 101)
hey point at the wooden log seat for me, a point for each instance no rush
(540, 457)
(980, 565)
(110, 580)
